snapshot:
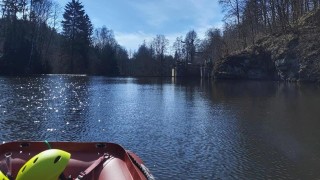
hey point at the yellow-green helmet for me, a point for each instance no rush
(47, 165)
(3, 177)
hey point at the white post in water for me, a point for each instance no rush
(173, 72)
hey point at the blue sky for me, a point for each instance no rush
(134, 21)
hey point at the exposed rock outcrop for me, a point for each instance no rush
(290, 56)
(251, 64)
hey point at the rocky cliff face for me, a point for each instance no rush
(290, 56)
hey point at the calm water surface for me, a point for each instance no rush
(181, 129)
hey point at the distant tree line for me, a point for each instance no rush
(30, 42)
(191, 50)
(152, 59)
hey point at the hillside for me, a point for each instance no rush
(289, 56)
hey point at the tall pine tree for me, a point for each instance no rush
(77, 31)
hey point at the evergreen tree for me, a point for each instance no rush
(77, 31)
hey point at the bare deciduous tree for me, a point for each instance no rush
(160, 45)
(179, 49)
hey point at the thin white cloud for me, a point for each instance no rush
(195, 12)
(199, 15)
(153, 14)
(131, 41)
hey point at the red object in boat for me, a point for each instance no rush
(117, 164)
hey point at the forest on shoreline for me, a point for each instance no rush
(30, 42)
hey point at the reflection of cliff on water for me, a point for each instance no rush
(219, 91)
(284, 116)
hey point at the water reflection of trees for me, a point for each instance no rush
(75, 117)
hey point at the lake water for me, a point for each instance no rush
(182, 129)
